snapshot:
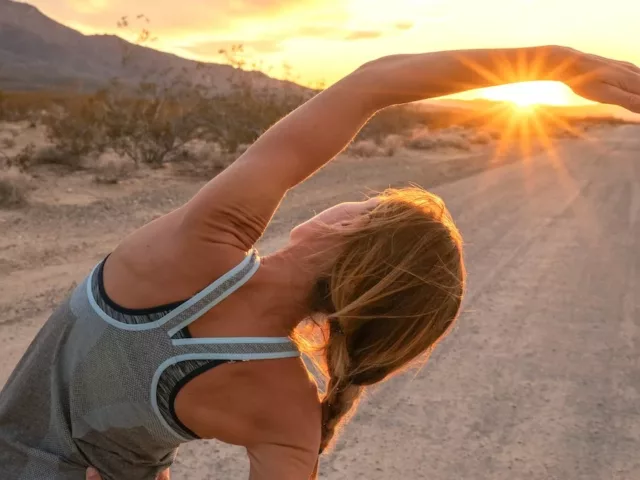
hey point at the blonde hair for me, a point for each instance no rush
(392, 293)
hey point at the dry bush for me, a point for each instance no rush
(392, 144)
(422, 140)
(31, 156)
(200, 159)
(457, 130)
(23, 159)
(111, 171)
(480, 138)
(53, 155)
(365, 149)
(243, 148)
(402, 119)
(222, 160)
(573, 132)
(32, 105)
(152, 123)
(453, 140)
(599, 121)
(426, 140)
(494, 134)
(205, 166)
(10, 130)
(76, 130)
(14, 189)
(8, 143)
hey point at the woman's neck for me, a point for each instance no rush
(283, 286)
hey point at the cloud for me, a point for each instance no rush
(334, 32)
(271, 42)
(404, 25)
(363, 35)
(316, 31)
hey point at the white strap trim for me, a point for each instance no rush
(204, 356)
(171, 315)
(229, 340)
(220, 298)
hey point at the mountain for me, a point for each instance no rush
(37, 52)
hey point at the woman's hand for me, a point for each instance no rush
(602, 80)
(406, 78)
(92, 474)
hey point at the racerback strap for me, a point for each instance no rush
(221, 348)
(198, 305)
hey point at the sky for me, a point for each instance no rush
(323, 40)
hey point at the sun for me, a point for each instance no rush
(527, 95)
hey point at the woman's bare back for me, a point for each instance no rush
(252, 404)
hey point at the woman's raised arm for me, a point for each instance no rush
(236, 206)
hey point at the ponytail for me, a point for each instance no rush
(342, 395)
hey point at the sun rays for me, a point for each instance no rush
(530, 115)
(536, 125)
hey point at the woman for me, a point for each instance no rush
(183, 332)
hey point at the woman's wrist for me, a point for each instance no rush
(407, 78)
(483, 68)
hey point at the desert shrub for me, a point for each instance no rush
(452, 140)
(14, 188)
(243, 148)
(205, 165)
(597, 121)
(240, 115)
(365, 148)
(398, 119)
(76, 130)
(30, 106)
(426, 140)
(481, 138)
(21, 160)
(423, 140)
(112, 171)
(54, 155)
(153, 122)
(392, 144)
(8, 142)
(12, 132)
(221, 160)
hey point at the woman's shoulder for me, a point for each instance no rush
(254, 402)
(166, 261)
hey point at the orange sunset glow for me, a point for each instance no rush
(323, 40)
(285, 207)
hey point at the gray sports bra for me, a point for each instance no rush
(175, 376)
(97, 385)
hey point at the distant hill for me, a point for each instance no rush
(37, 53)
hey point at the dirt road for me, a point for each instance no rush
(541, 377)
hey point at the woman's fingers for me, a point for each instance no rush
(604, 93)
(629, 82)
(629, 66)
(606, 81)
(166, 475)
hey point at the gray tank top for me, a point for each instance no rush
(93, 390)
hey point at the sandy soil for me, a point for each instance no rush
(538, 381)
